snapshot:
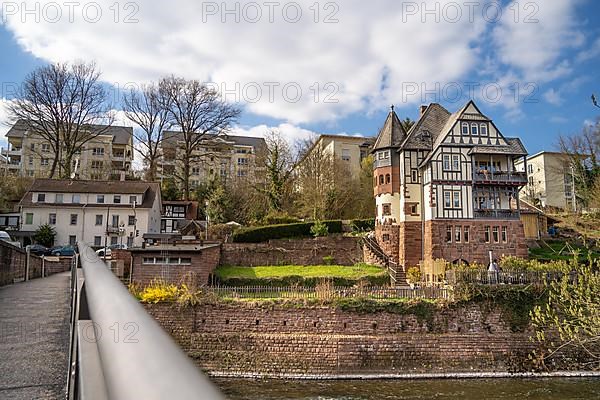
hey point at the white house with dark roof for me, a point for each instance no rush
(107, 155)
(448, 188)
(96, 212)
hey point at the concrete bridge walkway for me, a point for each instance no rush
(34, 338)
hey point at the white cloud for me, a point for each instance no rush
(553, 97)
(592, 52)
(368, 60)
(558, 119)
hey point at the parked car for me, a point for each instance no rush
(5, 237)
(38, 250)
(109, 249)
(64, 251)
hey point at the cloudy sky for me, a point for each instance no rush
(331, 67)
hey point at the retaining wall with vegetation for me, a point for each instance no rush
(278, 340)
(344, 250)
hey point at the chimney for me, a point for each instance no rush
(422, 110)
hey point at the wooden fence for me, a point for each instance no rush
(374, 293)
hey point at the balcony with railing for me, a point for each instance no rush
(489, 177)
(490, 213)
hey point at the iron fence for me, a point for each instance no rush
(513, 277)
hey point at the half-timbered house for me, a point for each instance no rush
(448, 188)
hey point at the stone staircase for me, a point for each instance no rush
(373, 254)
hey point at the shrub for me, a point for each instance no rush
(328, 260)
(158, 291)
(265, 233)
(278, 218)
(362, 225)
(319, 229)
(414, 274)
(221, 231)
(45, 235)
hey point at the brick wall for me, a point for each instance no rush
(477, 248)
(388, 238)
(197, 273)
(275, 341)
(344, 250)
(411, 244)
(13, 264)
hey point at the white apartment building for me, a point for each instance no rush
(108, 155)
(549, 180)
(97, 212)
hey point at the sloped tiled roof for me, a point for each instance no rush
(392, 134)
(120, 134)
(171, 136)
(432, 121)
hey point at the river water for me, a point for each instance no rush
(440, 389)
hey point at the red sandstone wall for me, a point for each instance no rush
(325, 341)
(13, 264)
(344, 250)
(203, 264)
(477, 249)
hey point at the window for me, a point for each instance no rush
(242, 173)
(100, 199)
(387, 209)
(346, 154)
(98, 151)
(483, 130)
(32, 146)
(474, 130)
(414, 174)
(457, 234)
(386, 237)
(99, 218)
(45, 147)
(73, 219)
(447, 199)
(504, 234)
(117, 199)
(58, 198)
(456, 162)
(242, 161)
(97, 241)
(195, 171)
(30, 161)
(114, 240)
(530, 168)
(530, 181)
(466, 232)
(131, 220)
(129, 241)
(465, 128)
(449, 234)
(495, 234)
(76, 198)
(456, 199)
(411, 208)
(41, 197)
(486, 234)
(44, 162)
(72, 240)
(388, 178)
(29, 218)
(446, 159)
(132, 199)
(381, 179)
(52, 219)
(97, 164)
(115, 221)
(384, 155)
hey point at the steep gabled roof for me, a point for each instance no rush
(120, 134)
(432, 121)
(392, 134)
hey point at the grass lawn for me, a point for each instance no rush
(305, 271)
(558, 250)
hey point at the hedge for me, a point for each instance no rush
(282, 231)
(362, 225)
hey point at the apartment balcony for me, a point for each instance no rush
(496, 214)
(500, 178)
(12, 152)
(13, 166)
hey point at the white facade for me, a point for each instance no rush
(95, 218)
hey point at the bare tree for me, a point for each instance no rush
(146, 110)
(583, 152)
(278, 163)
(61, 103)
(199, 113)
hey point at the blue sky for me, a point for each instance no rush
(364, 56)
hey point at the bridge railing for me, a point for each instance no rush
(118, 351)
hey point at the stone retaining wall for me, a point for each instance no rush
(344, 250)
(13, 264)
(275, 341)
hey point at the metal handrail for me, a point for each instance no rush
(136, 358)
(390, 265)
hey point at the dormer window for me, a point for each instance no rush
(483, 130)
(465, 128)
(474, 129)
